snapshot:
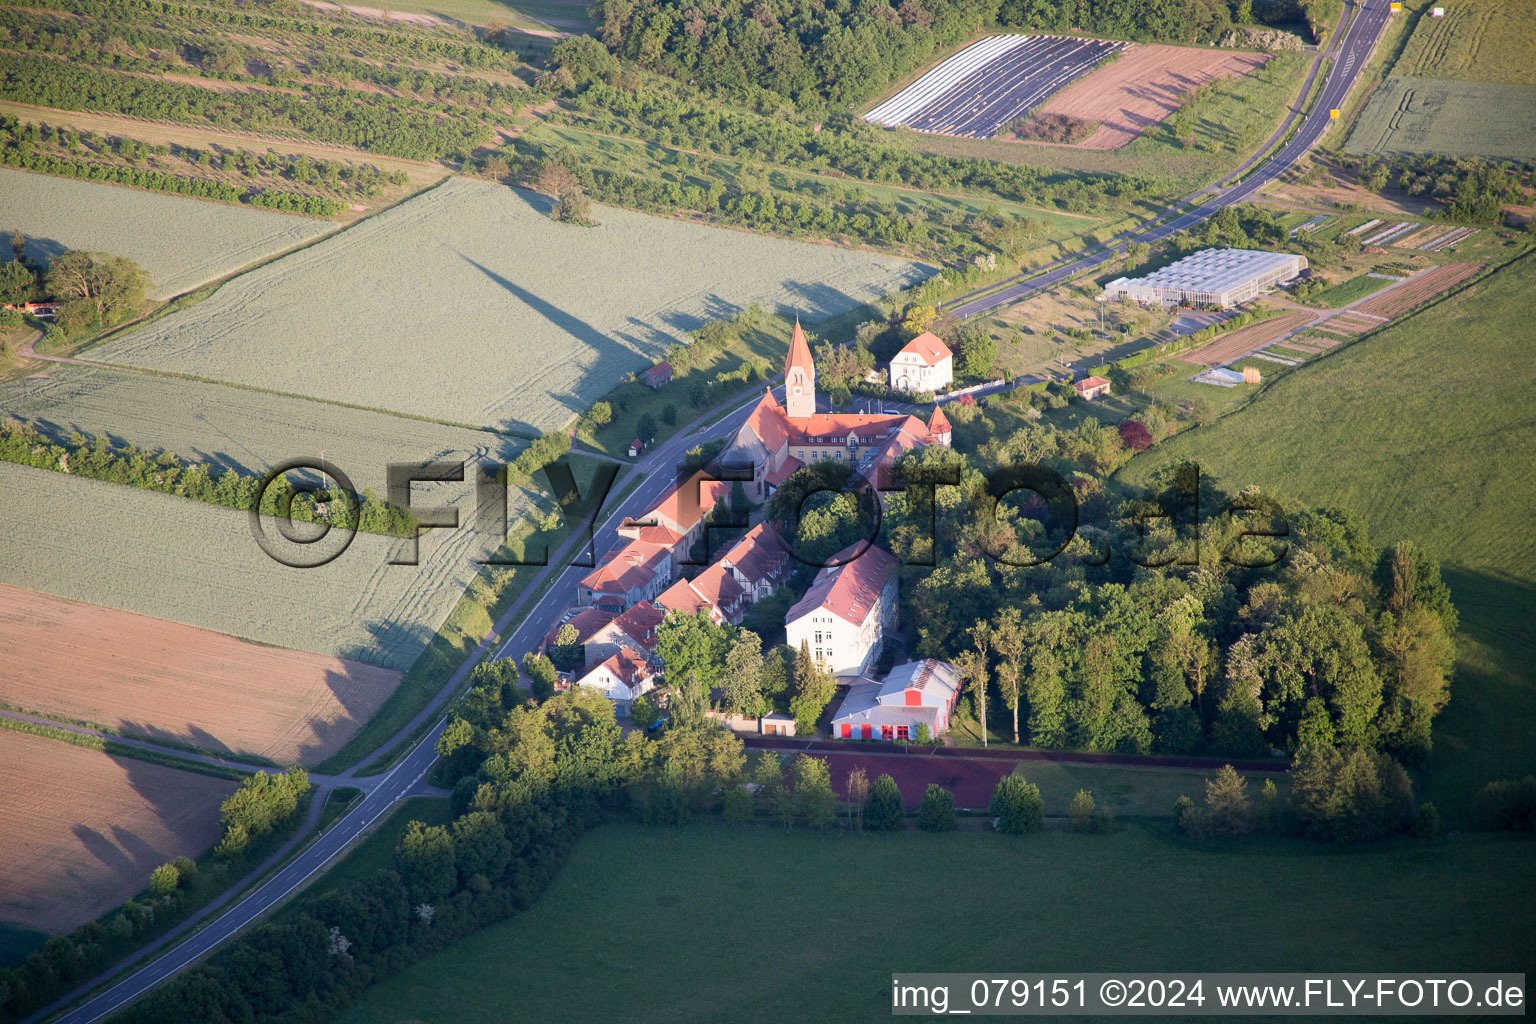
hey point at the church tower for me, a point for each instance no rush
(799, 377)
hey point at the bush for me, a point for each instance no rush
(1081, 811)
(1427, 823)
(1017, 806)
(937, 811)
(164, 880)
(883, 811)
(736, 804)
(1507, 805)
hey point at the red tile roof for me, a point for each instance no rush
(848, 591)
(714, 591)
(928, 347)
(784, 472)
(586, 620)
(758, 555)
(938, 423)
(639, 623)
(799, 352)
(1090, 382)
(627, 568)
(628, 666)
(681, 508)
(834, 428)
(769, 423)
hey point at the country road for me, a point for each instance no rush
(1350, 55)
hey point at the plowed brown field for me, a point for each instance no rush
(164, 680)
(1143, 87)
(1244, 340)
(83, 829)
(1419, 289)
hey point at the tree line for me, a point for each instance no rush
(98, 458)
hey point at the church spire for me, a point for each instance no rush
(799, 377)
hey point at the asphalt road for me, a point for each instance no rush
(1349, 56)
(658, 472)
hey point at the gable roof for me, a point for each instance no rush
(715, 591)
(834, 427)
(683, 506)
(630, 669)
(768, 423)
(928, 347)
(1090, 382)
(799, 352)
(935, 678)
(627, 568)
(758, 555)
(850, 590)
(586, 620)
(639, 623)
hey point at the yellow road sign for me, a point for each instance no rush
(1396, 8)
(1334, 114)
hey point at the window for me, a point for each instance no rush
(885, 732)
(901, 732)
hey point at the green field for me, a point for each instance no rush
(1423, 429)
(468, 304)
(193, 241)
(1353, 290)
(1476, 41)
(717, 923)
(1447, 118)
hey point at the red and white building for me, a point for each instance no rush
(713, 591)
(634, 630)
(758, 563)
(778, 439)
(924, 364)
(637, 571)
(621, 678)
(1090, 388)
(917, 693)
(845, 615)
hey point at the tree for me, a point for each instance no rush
(973, 667)
(17, 283)
(937, 811)
(112, 286)
(18, 245)
(573, 207)
(645, 427)
(1016, 806)
(691, 644)
(813, 690)
(883, 810)
(1226, 798)
(736, 805)
(742, 685)
(690, 701)
(601, 414)
(1135, 436)
(1081, 811)
(858, 792)
(542, 677)
(976, 352)
(768, 777)
(643, 712)
(1008, 642)
(164, 880)
(918, 319)
(813, 791)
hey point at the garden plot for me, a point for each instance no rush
(469, 304)
(1417, 290)
(180, 242)
(185, 561)
(239, 428)
(1238, 343)
(1143, 87)
(990, 84)
(84, 829)
(165, 681)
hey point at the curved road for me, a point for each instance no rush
(1350, 55)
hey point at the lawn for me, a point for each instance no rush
(193, 241)
(1422, 429)
(711, 922)
(468, 304)
(1353, 290)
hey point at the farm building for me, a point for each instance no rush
(924, 364)
(916, 693)
(657, 376)
(1090, 388)
(1211, 277)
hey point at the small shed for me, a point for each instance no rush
(636, 447)
(776, 724)
(1090, 388)
(657, 376)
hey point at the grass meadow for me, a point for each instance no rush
(710, 922)
(468, 304)
(193, 241)
(1422, 429)
(1344, 293)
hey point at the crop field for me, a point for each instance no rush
(1236, 343)
(1476, 41)
(1345, 292)
(991, 83)
(1418, 290)
(1450, 118)
(199, 564)
(1452, 475)
(469, 304)
(163, 680)
(741, 909)
(193, 242)
(237, 428)
(1143, 87)
(84, 829)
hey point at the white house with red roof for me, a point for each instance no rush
(844, 616)
(924, 364)
(634, 630)
(679, 518)
(713, 591)
(621, 678)
(912, 694)
(778, 439)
